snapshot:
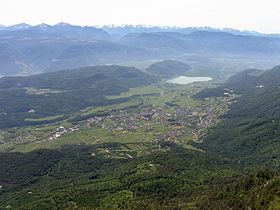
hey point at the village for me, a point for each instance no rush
(60, 131)
(178, 122)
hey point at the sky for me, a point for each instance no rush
(259, 15)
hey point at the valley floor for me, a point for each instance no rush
(154, 114)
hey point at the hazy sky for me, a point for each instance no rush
(260, 15)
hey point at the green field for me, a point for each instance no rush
(144, 90)
(42, 119)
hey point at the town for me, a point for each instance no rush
(177, 122)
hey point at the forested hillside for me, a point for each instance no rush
(168, 68)
(63, 93)
(73, 177)
(249, 132)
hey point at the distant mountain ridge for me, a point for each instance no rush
(63, 29)
(125, 29)
(21, 26)
(203, 42)
(26, 49)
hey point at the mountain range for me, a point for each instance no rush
(26, 49)
(126, 29)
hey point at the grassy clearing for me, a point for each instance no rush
(91, 110)
(144, 90)
(50, 118)
(36, 91)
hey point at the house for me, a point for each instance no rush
(226, 94)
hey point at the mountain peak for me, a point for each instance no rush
(43, 26)
(20, 26)
(63, 24)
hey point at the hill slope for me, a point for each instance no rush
(249, 132)
(168, 68)
(257, 191)
(64, 92)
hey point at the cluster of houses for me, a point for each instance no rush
(229, 92)
(125, 121)
(172, 135)
(121, 121)
(208, 118)
(2, 139)
(62, 130)
(175, 117)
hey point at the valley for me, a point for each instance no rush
(129, 145)
(154, 114)
(149, 143)
(138, 117)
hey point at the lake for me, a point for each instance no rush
(183, 80)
